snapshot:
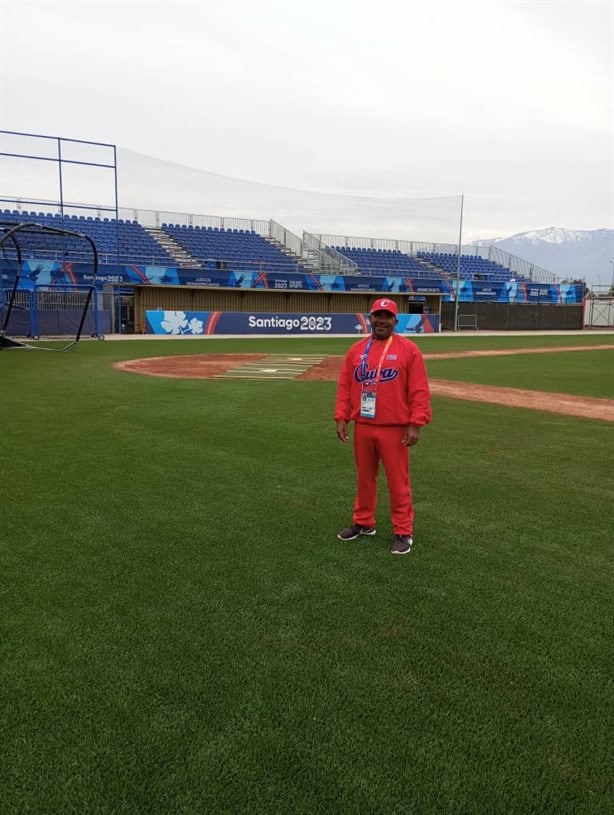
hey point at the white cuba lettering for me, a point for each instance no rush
(386, 374)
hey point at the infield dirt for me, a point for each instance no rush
(204, 366)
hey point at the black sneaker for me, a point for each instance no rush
(350, 533)
(402, 545)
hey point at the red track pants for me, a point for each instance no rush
(373, 443)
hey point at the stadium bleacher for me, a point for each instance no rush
(385, 262)
(472, 267)
(113, 238)
(231, 249)
(235, 249)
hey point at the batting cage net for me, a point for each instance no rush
(173, 190)
(41, 298)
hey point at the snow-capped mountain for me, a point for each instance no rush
(584, 254)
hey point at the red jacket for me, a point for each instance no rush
(403, 395)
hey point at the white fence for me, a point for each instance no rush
(599, 312)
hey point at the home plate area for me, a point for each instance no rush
(275, 366)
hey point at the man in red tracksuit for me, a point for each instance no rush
(383, 388)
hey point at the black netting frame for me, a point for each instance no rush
(11, 232)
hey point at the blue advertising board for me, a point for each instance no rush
(174, 323)
(56, 273)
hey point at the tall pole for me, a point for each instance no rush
(458, 262)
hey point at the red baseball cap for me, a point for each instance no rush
(384, 305)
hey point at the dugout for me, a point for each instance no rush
(194, 298)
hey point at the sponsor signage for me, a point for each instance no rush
(56, 274)
(175, 323)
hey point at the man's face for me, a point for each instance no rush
(382, 324)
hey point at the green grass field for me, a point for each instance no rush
(181, 631)
(584, 373)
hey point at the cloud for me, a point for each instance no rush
(507, 102)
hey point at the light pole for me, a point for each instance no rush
(458, 262)
(612, 283)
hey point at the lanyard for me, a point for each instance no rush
(363, 364)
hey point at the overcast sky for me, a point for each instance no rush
(509, 103)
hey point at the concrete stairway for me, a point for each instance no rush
(184, 259)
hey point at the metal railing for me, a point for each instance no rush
(283, 236)
(326, 259)
(355, 242)
(145, 217)
(35, 310)
(517, 266)
(316, 250)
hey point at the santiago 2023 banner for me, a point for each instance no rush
(174, 323)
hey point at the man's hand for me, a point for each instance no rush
(342, 430)
(411, 435)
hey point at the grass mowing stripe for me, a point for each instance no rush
(584, 373)
(182, 632)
